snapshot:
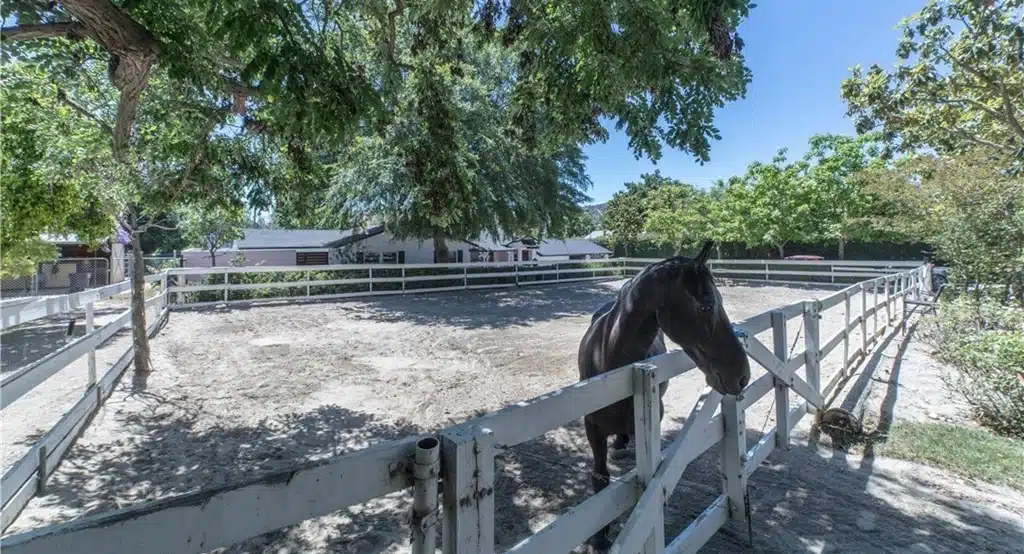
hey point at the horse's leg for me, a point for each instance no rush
(620, 446)
(598, 542)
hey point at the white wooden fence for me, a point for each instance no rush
(393, 279)
(213, 518)
(28, 475)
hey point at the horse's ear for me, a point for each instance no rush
(704, 254)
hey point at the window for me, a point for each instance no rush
(371, 258)
(454, 257)
(311, 258)
(389, 257)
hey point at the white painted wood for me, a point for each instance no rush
(16, 384)
(12, 314)
(734, 448)
(846, 332)
(583, 520)
(89, 328)
(648, 536)
(784, 371)
(467, 456)
(757, 390)
(823, 263)
(813, 356)
(687, 446)
(832, 343)
(888, 303)
(764, 447)
(780, 345)
(698, 533)
(863, 319)
(20, 497)
(218, 517)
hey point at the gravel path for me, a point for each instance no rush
(242, 391)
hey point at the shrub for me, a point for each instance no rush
(984, 341)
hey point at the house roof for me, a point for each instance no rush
(568, 247)
(298, 238)
(485, 242)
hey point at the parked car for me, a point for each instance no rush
(805, 257)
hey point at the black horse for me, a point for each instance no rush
(675, 297)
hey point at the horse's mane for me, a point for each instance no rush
(669, 266)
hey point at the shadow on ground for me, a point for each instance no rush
(30, 342)
(801, 499)
(472, 309)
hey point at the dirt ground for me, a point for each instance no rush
(242, 391)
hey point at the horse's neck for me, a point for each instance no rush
(634, 321)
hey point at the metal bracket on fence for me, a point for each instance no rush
(425, 521)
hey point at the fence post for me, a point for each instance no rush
(832, 273)
(888, 303)
(647, 426)
(90, 324)
(863, 320)
(467, 459)
(734, 449)
(41, 460)
(781, 390)
(465, 276)
(557, 276)
(403, 279)
(370, 275)
(164, 281)
(813, 360)
(307, 283)
(426, 467)
(874, 310)
(846, 333)
(517, 273)
(766, 278)
(226, 276)
(179, 280)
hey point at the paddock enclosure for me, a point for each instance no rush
(295, 425)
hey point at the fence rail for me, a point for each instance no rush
(205, 520)
(28, 475)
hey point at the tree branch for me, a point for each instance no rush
(63, 29)
(63, 98)
(393, 33)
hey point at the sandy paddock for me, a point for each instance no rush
(237, 392)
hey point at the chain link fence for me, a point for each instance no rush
(63, 276)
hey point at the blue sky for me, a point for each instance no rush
(798, 51)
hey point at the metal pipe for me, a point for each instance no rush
(426, 468)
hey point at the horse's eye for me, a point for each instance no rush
(705, 308)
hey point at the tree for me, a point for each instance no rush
(34, 202)
(678, 214)
(773, 204)
(967, 206)
(626, 214)
(214, 228)
(835, 163)
(956, 90)
(580, 224)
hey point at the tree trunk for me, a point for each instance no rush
(842, 248)
(213, 257)
(440, 250)
(782, 252)
(718, 250)
(140, 340)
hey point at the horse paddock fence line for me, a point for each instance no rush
(461, 459)
(27, 476)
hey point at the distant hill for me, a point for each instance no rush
(596, 212)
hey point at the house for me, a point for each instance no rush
(554, 250)
(297, 247)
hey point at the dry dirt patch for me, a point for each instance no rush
(242, 391)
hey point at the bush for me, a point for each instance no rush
(984, 340)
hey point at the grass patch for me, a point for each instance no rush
(974, 453)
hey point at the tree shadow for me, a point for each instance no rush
(30, 342)
(474, 309)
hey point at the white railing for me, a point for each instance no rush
(392, 279)
(28, 475)
(214, 518)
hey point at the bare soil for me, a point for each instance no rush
(237, 392)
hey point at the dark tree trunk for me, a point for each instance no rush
(440, 250)
(140, 340)
(213, 257)
(842, 248)
(782, 251)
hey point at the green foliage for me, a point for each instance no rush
(579, 224)
(213, 228)
(967, 207)
(678, 214)
(39, 191)
(984, 340)
(960, 83)
(625, 217)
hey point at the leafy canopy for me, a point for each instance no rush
(960, 84)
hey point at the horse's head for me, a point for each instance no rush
(691, 313)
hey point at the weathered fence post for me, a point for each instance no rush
(781, 390)
(465, 276)
(888, 303)
(403, 279)
(647, 425)
(226, 285)
(734, 449)
(467, 459)
(557, 276)
(307, 284)
(863, 320)
(425, 470)
(766, 277)
(164, 282)
(874, 310)
(179, 280)
(90, 325)
(42, 469)
(370, 276)
(846, 334)
(813, 360)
